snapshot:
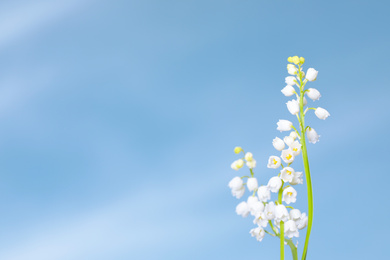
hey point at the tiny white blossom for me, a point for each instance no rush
(281, 213)
(284, 125)
(255, 206)
(294, 135)
(274, 184)
(312, 135)
(287, 174)
(236, 183)
(288, 156)
(278, 144)
(311, 74)
(291, 80)
(297, 179)
(274, 162)
(290, 229)
(249, 156)
(313, 93)
(260, 219)
(264, 194)
(295, 147)
(251, 164)
(242, 209)
(238, 193)
(293, 106)
(237, 164)
(302, 222)
(288, 140)
(258, 232)
(288, 91)
(291, 69)
(269, 210)
(295, 214)
(289, 195)
(252, 184)
(321, 113)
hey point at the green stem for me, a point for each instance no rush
(294, 250)
(281, 224)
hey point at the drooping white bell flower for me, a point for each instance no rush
(294, 135)
(302, 222)
(242, 209)
(236, 165)
(311, 74)
(290, 229)
(291, 69)
(258, 232)
(260, 219)
(264, 194)
(293, 106)
(284, 125)
(278, 144)
(252, 184)
(274, 162)
(295, 147)
(269, 210)
(274, 184)
(295, 214)
(288, 156)
(251, 164)
(291, 80)
(281, 213)
(248, 156)
(297, 179)
(321, 113)
(289, 195)
(238, 193)
(287, 174)
(236, 183)
(255, 206)
(312, 135)
(313, 93)
(288, 91)
(288, 140)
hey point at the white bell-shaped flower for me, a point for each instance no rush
(290, 229)
(287, 174)
(297, 179)
(274, 184)
(289, 195)
(288, 140)
(263, 193)
(252, 184)
(236, 183)
(312, 135)
(295, 147)
(288, 156)
(284, 125)
(293, 106)
(291, 80)
(278, 144)
(274, 162)
(291, 69)
(322, 113)
(269, 210)
(311, 74)
(302, 222)
(248, 156)
(294, 135)
(258, 232)
(255, 206)
(295, 214)
(238, 193)
(260, 219)
(251, 164)
(236, 165)
(242, 209)
(313, 94)
(288, 91)
(281, 213)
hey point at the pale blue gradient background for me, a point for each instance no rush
(119, 119)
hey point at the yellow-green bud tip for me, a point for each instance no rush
(237, 150)
(295, 60)
(302, 60)
(289, 59)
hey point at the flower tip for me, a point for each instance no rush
(237, 149)
(289, 59)
(302, 60)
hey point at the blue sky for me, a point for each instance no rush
(119, 121)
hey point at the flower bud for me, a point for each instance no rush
(295, 60)
(252, 184)
(312, 135)
(238, 150)
(291, 69)
(289, 59)
(293, 106)
(284, 125)
(288, 140)
(236, 165)
(321, 113)
(311, 74)
(301, 60)
(288, 90)
(294, 135)
(278, 144)
(313, 94)
(248, 156)
(251, 164)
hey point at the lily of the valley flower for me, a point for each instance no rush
(291, 80)
(293, 106)
(287, 174)
(248, 156)
(288, 156)
(290, 229)
(237, 187)
(312, 135)
(311, 74)
(295, 147)
(291, 69)
(288, 91)
(264, 194)
(274, 162)
(297, 179)
(284, 125)
(252, 184)
(289, 195)
(321, 113)
(236, 165)
(302, 222)
(255, 206)
(258, 232)
(281, 213)
(288, 140)
(278, 144)
(295, 214)
(294, 135)
(313, 93)
(251, 164)
(260, 219)
(274, 184)
(243, 209)
(269, 210)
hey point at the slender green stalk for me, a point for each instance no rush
(281, 225)
(294, 250)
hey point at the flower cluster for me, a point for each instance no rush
(278, 215)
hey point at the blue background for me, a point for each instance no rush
(119, 119)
